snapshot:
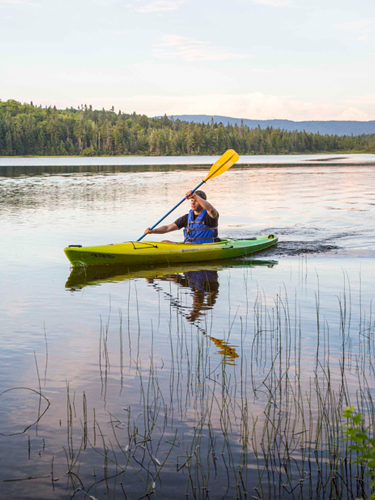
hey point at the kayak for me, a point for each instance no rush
(151, 252)
(154, 252)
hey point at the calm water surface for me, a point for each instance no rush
(224, 380)
(15, 165)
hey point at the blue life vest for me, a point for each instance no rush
(196, 231)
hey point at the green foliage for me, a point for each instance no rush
(26, 129)
(364, 445)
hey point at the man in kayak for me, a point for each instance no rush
(201, 223)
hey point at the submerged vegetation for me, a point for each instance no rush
(26, 129)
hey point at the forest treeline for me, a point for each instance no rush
(26, 129)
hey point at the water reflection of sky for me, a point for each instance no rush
(334, 203)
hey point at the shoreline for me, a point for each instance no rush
(185, 161)
(325, 153)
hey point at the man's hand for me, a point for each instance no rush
(200, 204)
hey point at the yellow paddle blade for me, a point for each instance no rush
(228, 159)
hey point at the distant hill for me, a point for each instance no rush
(323, 127)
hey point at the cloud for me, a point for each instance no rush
(362, 26)
(20, 2)
(352, 113)
(272, 3)
(256, 105)
(188, 49)
(358, 108)
(362, 100)
(88, 77)
(160, 6)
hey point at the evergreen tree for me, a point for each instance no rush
(26, 129)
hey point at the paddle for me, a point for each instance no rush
(228, 159)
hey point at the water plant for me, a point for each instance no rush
(356, 432)
(185, 420)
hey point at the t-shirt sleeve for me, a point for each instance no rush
(210, 222)
(181, 221)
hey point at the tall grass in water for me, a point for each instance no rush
(268, 425)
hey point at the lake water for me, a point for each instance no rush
(198, 381)
(48, 164)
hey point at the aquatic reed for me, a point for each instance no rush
(264, 424)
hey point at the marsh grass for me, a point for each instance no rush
(266, 426)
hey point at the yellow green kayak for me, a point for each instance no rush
(152, 252)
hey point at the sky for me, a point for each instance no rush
(256, 59)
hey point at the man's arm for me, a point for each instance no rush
(211, 210)
(162, 229)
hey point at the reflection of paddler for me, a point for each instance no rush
(205, 287)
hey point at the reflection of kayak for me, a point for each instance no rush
(200, 278)
(149, 252)
(89, 276)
